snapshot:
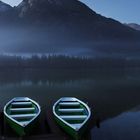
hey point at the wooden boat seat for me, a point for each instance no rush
(16, 104)
(74, 117)
(76, 126)
(18, 110)
(71, 110)
(69, 103)
(22, 99)
(24, 122)
(23, 116)
(68, 99)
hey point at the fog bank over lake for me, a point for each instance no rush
(17, 40)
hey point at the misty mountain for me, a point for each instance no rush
(134, 26)
(73, 16)
(4, 10)
(7, 13)
(4, 7)
(67, 27)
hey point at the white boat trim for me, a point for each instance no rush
(75, 127)
(18, 99)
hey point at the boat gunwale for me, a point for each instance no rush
(14, 99)
(65, 122)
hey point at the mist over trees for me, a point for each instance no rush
(65, 62)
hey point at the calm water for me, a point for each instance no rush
(113, 96)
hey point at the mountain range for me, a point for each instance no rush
(133, 25)
(65, 23)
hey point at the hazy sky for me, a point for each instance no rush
(122, 10)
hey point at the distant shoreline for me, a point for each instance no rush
(66, 62)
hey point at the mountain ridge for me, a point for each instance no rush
(71, 16)
(4, 7)
(133, 25)
(47, 25)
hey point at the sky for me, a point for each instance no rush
(125, 11)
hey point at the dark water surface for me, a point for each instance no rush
(113, 96)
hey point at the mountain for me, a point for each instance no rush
(7, 13)
(62, 26)
(73, 16)
(134, 26)
(4, 7)
(42, 9)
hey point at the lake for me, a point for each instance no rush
(112, 95)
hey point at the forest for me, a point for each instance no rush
(65, 62)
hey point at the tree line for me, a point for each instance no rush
(64, 62)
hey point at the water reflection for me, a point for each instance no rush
(125, 126)
(109, 93)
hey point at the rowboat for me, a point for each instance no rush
(72, 115)
(21, 114)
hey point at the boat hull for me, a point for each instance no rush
(67, 129)
(76, 133)
(20, 130)
(22, 114)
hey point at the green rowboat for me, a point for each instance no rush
(21, 113)
(72, 115)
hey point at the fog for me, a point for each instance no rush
(28, 41)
